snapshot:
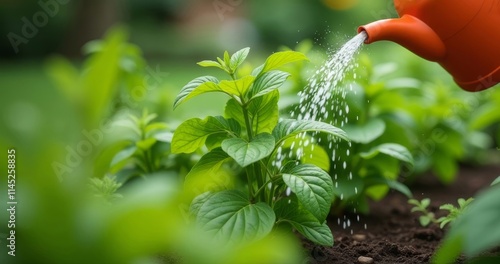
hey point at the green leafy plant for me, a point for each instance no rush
(105, 188)
(453, 212)
(429, 217)
(143, 150)
(248, 139)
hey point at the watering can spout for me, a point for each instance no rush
(461, 35)
(409, 32)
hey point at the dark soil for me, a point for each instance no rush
(393, 233)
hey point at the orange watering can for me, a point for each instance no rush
(463, 36)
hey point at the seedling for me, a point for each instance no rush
(250, 135)
(453, 212)
(105, 188)
(428, 217)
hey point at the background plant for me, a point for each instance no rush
(142, 149)
(252, 136)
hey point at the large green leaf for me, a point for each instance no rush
(187, 91)
(191, 134)
(313, 187)
(238, 58)
(279, 59)
(245, 153)
(394, 150)
(374, 180)
(366, 133)
(229, 215)
(237, 87)
(263, 112)
(206, 174)
(198, 201)
(288, 128)
(288, 210)
(268, 82)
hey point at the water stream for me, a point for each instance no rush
(323, 99)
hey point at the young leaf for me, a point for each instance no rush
(264, 112)
(191, 86)
(394, 150)
(146, 144)
(424, 220)
(245, 153)
(268, 82)
(279, 59)
(227, 59)
(229, 215)
(289, 210)
(366, 133)
(210, 63)
(425, 202)
(313, 187)
(288, 128)
(123, 155)
(191, 134)
(238, 58)
(151, 128)
(164, 136)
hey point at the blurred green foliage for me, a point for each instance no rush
(53, 116)
(61, 216)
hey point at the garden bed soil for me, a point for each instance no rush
(393, 233)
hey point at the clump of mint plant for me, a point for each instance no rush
(142, 151)
(246, 141)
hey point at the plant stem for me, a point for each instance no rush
(262, 188)
(251, 170)
(250, 183)
(247, 121)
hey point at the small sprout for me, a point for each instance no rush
(105, 188)
(427, 217)
(454, 212)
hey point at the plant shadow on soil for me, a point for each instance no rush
(393, 233)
